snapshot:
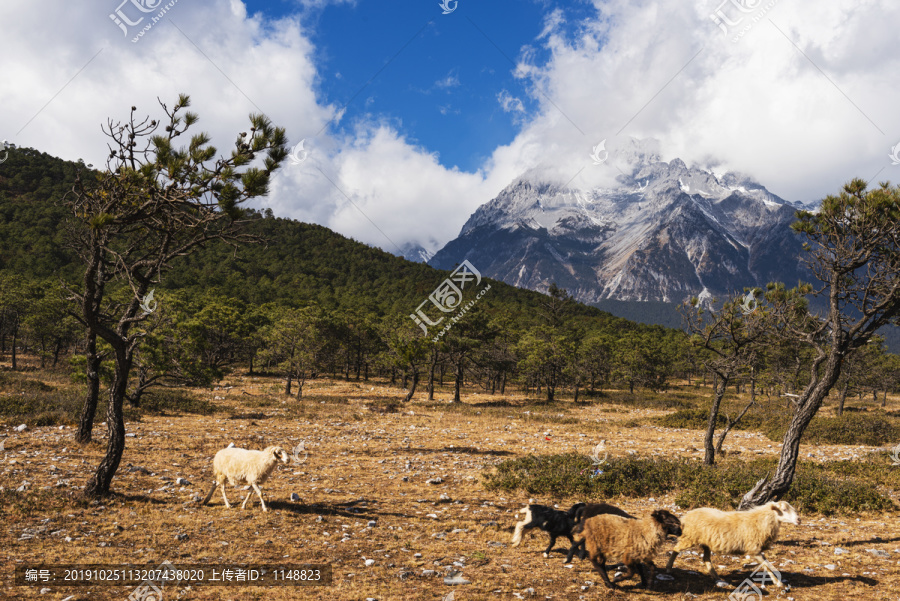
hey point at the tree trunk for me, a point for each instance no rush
(98, 485)
(576, 393)
(412, 387)
(86, 423)
(287, 385)
(458, 383)
(884, 398)
(840, 407)
(503, 383)
(805, 409)
(732, 423)
(431, 378)
(15, 332)
(721, 383)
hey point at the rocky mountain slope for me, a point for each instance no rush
(664, 233)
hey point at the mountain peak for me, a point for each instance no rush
(666, 232)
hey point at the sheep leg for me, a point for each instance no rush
(708, 563)
(576, 547)
(628, 573)
(600, 566)
(224, 497)
(259, 494)
(648, 574)
(520, 529)
(550, 546)
(672, 556)
(765, 565)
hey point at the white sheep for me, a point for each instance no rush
(242, 466)
(632, 542)
(734, 532)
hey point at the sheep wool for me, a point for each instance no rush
(633, 542)
(734, 532)
(242, 466)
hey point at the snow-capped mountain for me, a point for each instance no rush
(666, 232)
(412, 251)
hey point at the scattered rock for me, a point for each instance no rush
(295, 497)
(437, 480)
(839, 551)
(428, 572)
(372, 523)
(24, 486)
(20, 428)
(182, 482)
(878, 552)
(830, 566)
(181, 537)
(130, 435)
(369, 562)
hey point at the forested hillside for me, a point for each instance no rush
(349, 305)
(304, 301)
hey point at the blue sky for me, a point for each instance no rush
(435, 77)
(800, 95)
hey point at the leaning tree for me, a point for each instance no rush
(154, 203)
(853, 249)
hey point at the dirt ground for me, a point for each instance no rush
(391, 500)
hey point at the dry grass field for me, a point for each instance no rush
(369, 493)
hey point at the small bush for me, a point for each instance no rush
(816, 488)
(850, 429)
(49, 408)
(161, 401)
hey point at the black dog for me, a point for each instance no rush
(553, 522)
(588, 511)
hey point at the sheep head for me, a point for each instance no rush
(668, 521)
(574, 509)
(279, 454)
(785, 512)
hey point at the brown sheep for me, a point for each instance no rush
(628, 541)
(588, 511)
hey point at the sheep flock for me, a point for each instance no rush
(607, 533)
(598, 531)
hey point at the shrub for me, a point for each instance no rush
(160, 401)
(851, 428)
(815, 489)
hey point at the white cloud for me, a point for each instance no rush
(758, 105)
